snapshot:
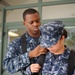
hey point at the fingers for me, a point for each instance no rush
(37, 51)
(35, 68)
(43, 51)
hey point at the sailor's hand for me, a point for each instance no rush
(35, 68)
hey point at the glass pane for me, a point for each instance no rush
(58, 11)
(12, 34)
(70, 41)
(0, 16)
(50, 0)
(19, 2)
(17, 15)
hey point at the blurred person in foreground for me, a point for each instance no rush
(53, 36)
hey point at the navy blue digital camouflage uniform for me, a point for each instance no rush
(15, 60)
(53, 64)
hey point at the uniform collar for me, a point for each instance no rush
(31, 39)
(65, 55)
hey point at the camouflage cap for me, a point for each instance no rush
(51, 33)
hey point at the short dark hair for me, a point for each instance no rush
(64, 32)
(29, 11)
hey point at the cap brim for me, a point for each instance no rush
(48, 43)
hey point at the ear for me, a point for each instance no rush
(24, 23)
(63, 38)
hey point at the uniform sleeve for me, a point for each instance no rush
(14, 60)
(74, 72)
(28, 72)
